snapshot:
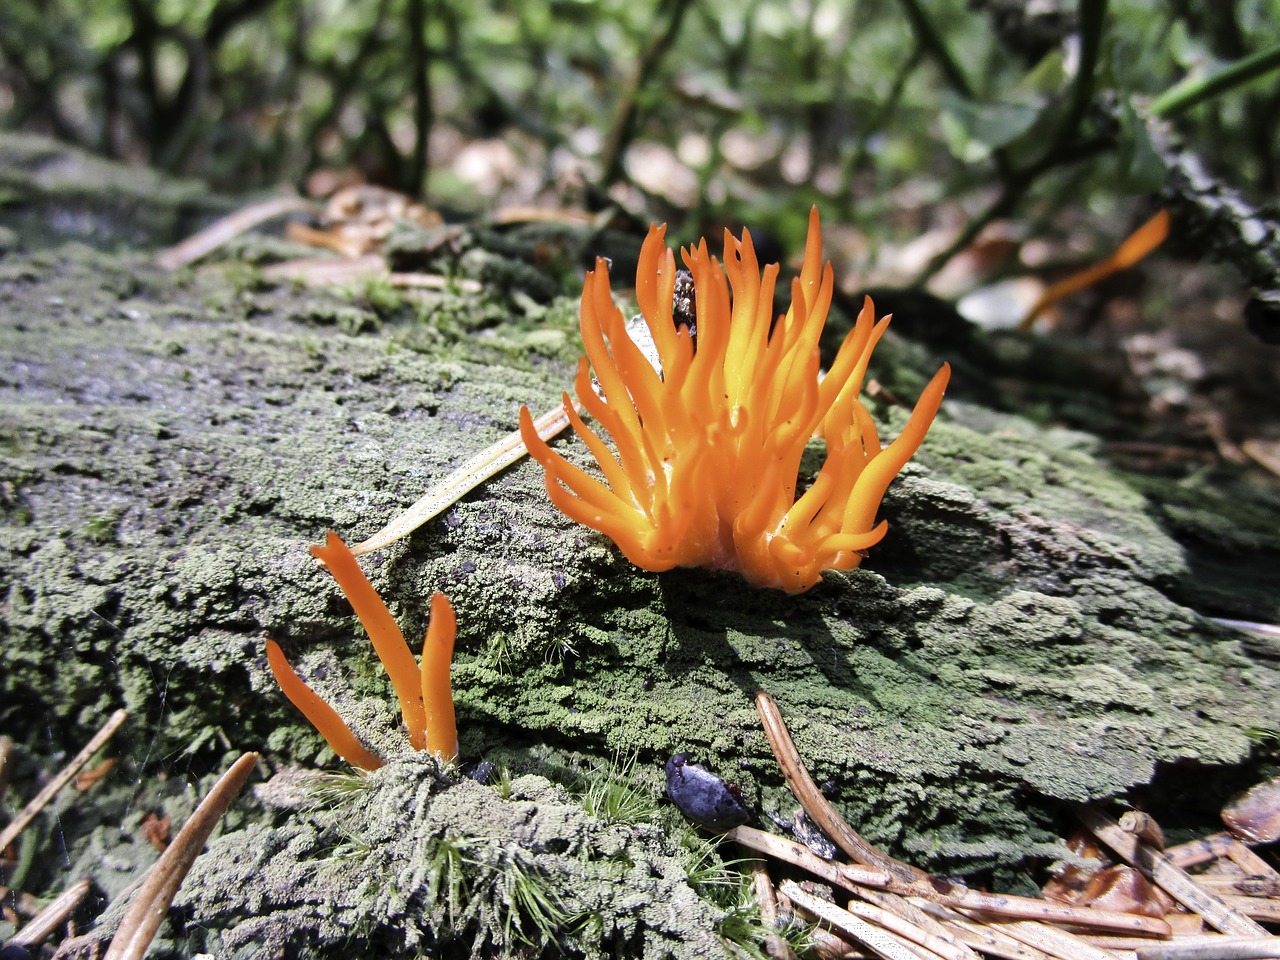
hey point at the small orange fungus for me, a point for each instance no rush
(709, 443)
(425, 694)
(1134, 247)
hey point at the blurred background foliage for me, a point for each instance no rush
(896, 116)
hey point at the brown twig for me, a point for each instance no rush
(1245, 885)
(44, 923)
(855, 878)
(1250, 862)
(151, 902)
(64, 776)
(1196, 852)
(228, 228)
(1144, 827)
(815, 804)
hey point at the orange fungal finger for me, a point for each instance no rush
(437, 691)
(1134, 247)
(879, 472)
(388, 642)
(322, 716)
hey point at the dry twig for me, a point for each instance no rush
(883, 943)
(151, 902)
(228, 228)
(64, 776)
(43, 924)
(1223, 948)
(855, 878)
(815, 804)
(774, 944)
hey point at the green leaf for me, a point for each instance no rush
(975, 129)
(1140, 168)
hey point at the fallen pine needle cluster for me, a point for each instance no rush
(1144, 906)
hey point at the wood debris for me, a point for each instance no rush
(1149, 906)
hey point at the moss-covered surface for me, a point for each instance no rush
(171, 444)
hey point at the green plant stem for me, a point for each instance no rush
(1065, 147)
(628, 113)
(415, 181)
(1013, 190)
(932, 41)
(1191, 92)
(858, 161)
(1093, 15)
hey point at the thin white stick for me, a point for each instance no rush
(1226, 948)
(462, 481)
(879, 940)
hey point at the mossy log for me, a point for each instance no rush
(172, 443)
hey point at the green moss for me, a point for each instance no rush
(419, 863)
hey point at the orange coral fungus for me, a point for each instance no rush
(709, 444)
(426, 697)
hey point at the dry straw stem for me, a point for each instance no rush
(766, 897)
(1054, 942)
(882, 942)
(151, 902)
(856, 878)
(1224, 948)
(985, 937)
(43, 924)
(228, 228)
(64, 776)
(460, 482)
(946, 946)
(911, 913)
(1176, 882)
(811, 798)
